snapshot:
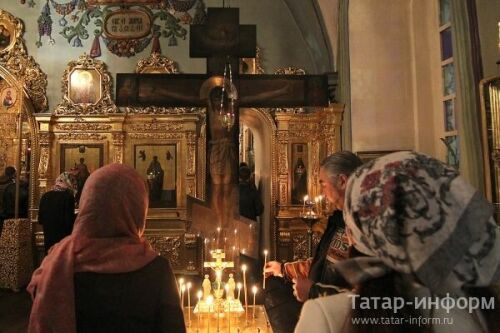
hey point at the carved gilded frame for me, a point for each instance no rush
(23, 74)
(93, 69)
(23, 68)
(489, 90)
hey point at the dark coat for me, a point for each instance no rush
(57, 215)
(250, 203)
(146, 300)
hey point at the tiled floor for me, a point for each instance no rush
(14, 311)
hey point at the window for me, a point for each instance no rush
(450, 134)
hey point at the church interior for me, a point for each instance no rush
(87, 83)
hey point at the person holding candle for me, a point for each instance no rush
(317, 275)
(105, 277)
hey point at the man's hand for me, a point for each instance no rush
(301, 288)
(272, 268)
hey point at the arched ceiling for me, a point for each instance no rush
(317, 21)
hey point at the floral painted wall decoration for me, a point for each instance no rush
(126, 27)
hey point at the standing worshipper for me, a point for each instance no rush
(105, 277)
(56, 212)
(250, 203)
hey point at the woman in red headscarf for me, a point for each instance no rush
(105, 277)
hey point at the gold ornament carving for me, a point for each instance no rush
(156, 63)
(283, 159)
(104, 105)
(24, 68)
(44, 162)
(283, 192)
(81, 136)
(191, 156)
(190, 240)
(156, 126)
(155, 135)
(83, 127)
(284, 237)
(168, 247)
(300, 246)
(164, 110)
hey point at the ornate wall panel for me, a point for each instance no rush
(318, 132)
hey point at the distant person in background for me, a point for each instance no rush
(57, 210)
(7, 178)
(82, 173)
(250, 203)
(105, 277)
(9, 200)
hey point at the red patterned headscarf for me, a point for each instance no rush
(413, 214)
(106, 238)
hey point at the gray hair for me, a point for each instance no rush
(342, 162)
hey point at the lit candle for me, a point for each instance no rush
(183, 288)
(238, 285)
(188, 287)
(234, 249)
(228, 313)
(218, 237)
(254, 291)
(199, 295)
(244, 270)
(316, 203)
(206, 247)
(263, 272)
(306, 197)
(181, 282)
(210, 300)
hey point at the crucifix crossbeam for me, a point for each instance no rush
(261, 91)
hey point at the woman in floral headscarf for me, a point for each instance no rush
(427, 235)
(57, 210)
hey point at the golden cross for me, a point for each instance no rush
(218, 264)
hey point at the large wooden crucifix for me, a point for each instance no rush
(222, 40)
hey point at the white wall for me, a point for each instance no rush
(381, 75)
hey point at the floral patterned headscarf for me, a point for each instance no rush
(64, 182)
(413, 214)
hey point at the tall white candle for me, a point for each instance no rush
(254, 291)
(244, 270)
(263, 272)
(238, 285)
(199, 295)
(188, 287)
